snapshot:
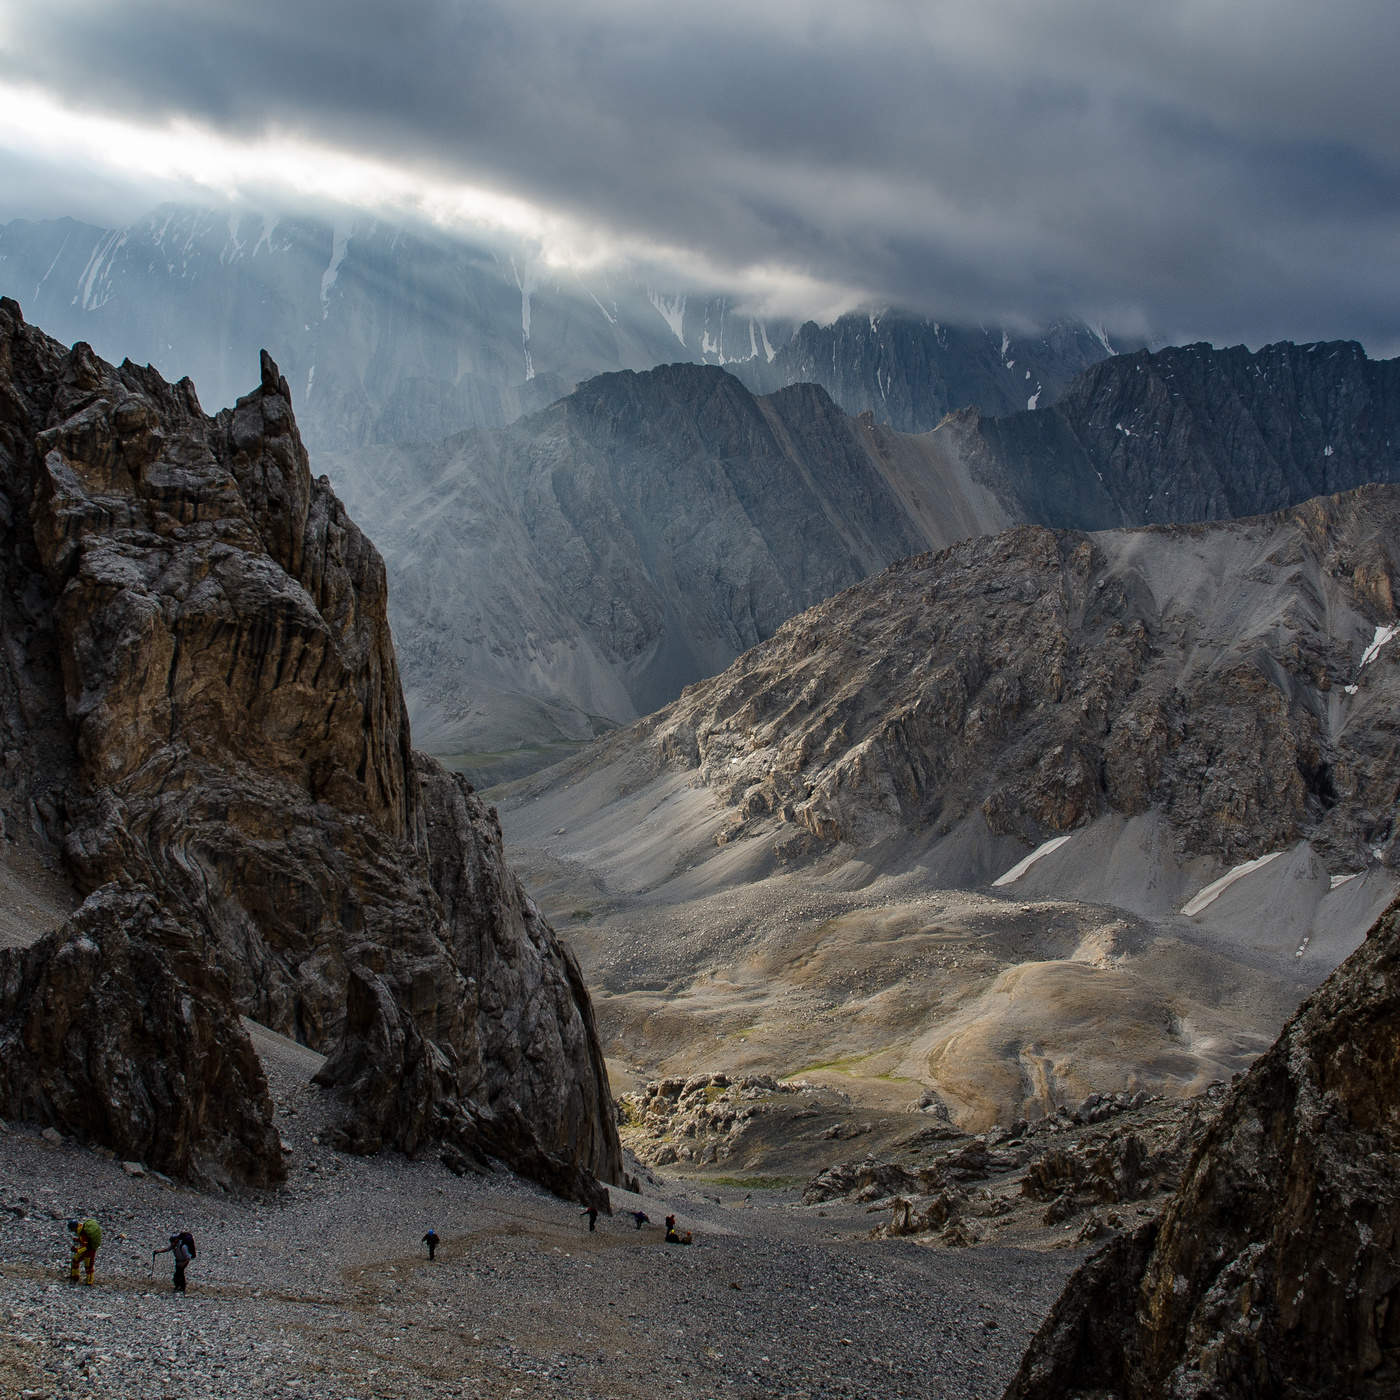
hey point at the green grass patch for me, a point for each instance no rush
(844, 1065)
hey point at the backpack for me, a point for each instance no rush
(184, 1246)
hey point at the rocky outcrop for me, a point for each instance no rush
(1237, 678)
(1275, 1270)
(239, 753)
(119, 1030)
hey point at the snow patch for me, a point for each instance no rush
(1022, 866)
(1127, 432)
(1203, 899)
(1339, 880)
(269, 227)
(1383, 635)
(611, 315)
(1034, 400)
(340, 239)
(672, 311)
(527, 284)
(94, 291)
(310, 380)
(1101, 336)
(768, 351)
(1327, 451)
(53, 264)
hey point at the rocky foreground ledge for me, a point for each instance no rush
(202, 724)
(1275, 1269)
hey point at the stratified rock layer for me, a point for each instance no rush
(231, 720)
(1276, 1269)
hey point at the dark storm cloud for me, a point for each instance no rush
(1227, 170)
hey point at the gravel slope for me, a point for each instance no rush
(322, 1290)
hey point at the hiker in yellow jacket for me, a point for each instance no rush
(87, 1235)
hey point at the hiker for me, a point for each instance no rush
(641, 1217)
(675, 1236)
(181, 1249)
(87, 1235)
(431, 1240)
(592, 1213)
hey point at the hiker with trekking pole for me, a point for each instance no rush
(181, 1249)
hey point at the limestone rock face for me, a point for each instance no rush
(1225, 675)
(1276, 1268)
(240, 752)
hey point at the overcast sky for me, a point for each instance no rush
(1218, 169)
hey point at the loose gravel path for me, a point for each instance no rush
(321, 1290)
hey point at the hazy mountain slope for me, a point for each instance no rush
(386, 334)
(392, 335)
(651, 527)
(583, 565)
(910, 371)
(771, 855)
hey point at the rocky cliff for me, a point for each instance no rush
(1196, 433)
(202, 712)
(1240, 679)
(909, 371)
(1275, 1271)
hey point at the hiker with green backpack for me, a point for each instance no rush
(87, 1235)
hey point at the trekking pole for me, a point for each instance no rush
(153, 1263)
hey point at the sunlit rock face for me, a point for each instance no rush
(227, 709)
(1276, 1269)
(1239, 678)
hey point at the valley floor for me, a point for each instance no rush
(322, 1289)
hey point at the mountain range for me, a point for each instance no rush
(584, 564)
